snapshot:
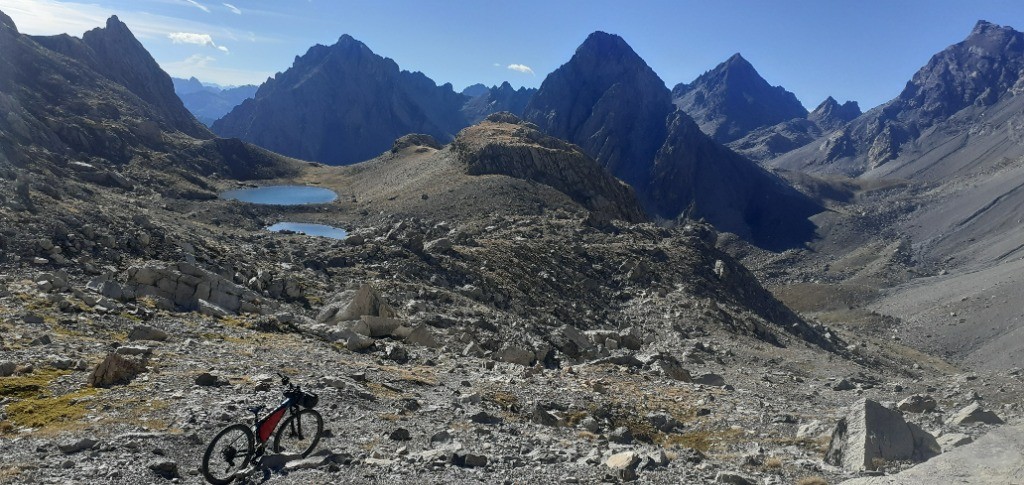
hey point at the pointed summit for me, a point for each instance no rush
(606, 89)
(343, 104)
(732, 100)
(830, 115)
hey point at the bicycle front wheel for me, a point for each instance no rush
(300, 433)
(229, 452)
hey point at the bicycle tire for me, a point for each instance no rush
(248, 452)
(301, 421)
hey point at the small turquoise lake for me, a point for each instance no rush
(309, 229)
(282, 195)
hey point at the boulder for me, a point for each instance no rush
(441, 245)
(952, 440)
(423, 336)
(72, 447)
(145, 332)
(734, 478)
(917, 404)
(624, 464)
(116, 369)
(515, 354)
(974, 413)
(165, 468)
(710, 380)
(871, 435)
(7, 368)
(376, 327)
(366, 301)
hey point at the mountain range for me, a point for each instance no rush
(208, 103)
(342, 104)
(610, 102)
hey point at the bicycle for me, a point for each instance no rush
(239, 444)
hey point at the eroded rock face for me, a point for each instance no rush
(185, 286)
(505, 145)
(871, 435)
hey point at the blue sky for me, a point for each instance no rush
(859, 50)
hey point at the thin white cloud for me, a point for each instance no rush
(190, 38)
(205, 67)
(197, 39)
(497, 64)
(233, 9)
(199, 5)
(521, 68)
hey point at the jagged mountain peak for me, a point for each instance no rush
(732, 100)
(830, 114)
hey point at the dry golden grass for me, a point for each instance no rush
(812, 481)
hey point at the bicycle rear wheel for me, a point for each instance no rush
(300, 433)
(229, 452)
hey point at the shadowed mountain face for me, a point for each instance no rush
(607, 100)
(732, 100)
(210, 103)
(341, 104)
(94, 108)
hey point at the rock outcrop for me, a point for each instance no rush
(871, 435)
(184, 286)
(503, 145)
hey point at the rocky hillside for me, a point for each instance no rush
(607, 100)
(962, 83)
(504, 145)
(731, 100)
(210, 103)
(77, 111)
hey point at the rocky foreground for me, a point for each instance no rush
(441, 354)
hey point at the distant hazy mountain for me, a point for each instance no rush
(607, 100)
(496, 99)
(830, 115)
(207, 102)
(100, 110)
(732, 100)
(475, 90)
(734, 105)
